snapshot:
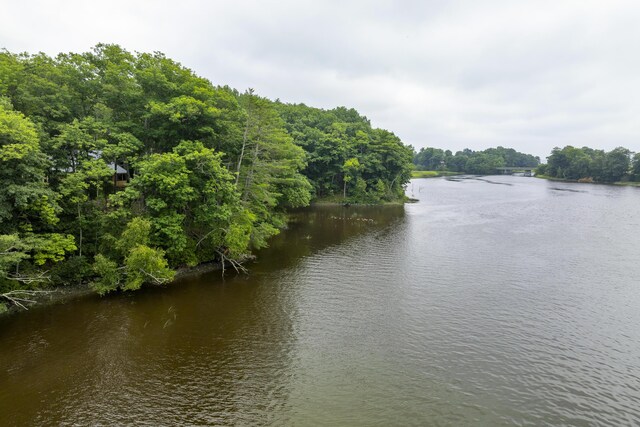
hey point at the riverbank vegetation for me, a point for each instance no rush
(117, 168)
(620, 165)
(345, 156)
(585, 164)
(432, 174)
(467, 161)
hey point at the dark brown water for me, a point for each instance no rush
(508, 301)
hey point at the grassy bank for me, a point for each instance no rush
(432, 174)
(628, 184)
(552, 178)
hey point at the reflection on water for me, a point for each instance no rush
(480, 304)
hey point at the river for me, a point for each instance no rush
(491, 301)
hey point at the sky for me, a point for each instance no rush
(530, 75)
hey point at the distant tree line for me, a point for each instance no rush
(589, 165)
(116, 168)
(577, 164)
(472, 162)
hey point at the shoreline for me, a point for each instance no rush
(433, 174)
(618, 183)
(339, 201)
(63, 294)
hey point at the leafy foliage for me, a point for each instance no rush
(592, 165)
(145, 264)
(109, 277)
(335, 141)
(209, 171)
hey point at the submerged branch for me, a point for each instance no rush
(20, 297)
(237, 265)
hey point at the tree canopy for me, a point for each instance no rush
(587, 164)
(119, 167)
(346, 156)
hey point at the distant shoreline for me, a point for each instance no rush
(433, 174)
(619, 183)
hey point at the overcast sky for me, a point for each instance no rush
(452, 74)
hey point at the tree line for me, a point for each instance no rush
(472, 162)
(589, 165)
(571, 163)
(119, 167)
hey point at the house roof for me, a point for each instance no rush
(118, 168)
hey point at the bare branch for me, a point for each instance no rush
(28, 280)
(158, 280)
(207, 235)
(19, 297)
(238, 266)
(221, 261)
(235, 264)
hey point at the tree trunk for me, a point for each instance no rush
(244, 144)
(249, 179)
(80, 234)
(115, 176)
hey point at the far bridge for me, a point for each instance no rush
(509, 170)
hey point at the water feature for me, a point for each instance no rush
(495, 301)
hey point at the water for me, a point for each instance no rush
(504, 301)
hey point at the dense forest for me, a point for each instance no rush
(472, 162)
(119, 167)
(588, 165)
(347, 157)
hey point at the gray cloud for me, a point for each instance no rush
(452, 74)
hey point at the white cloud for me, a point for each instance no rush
(453, 74)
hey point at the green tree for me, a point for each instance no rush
(211, 171)
(350, 171)
(575, 163)
(146, 265)
(269, 178)
(332, 137)
(635, 171)
(142, 264)
(617, 164)
(26, 201)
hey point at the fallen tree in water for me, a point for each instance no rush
(22, 298)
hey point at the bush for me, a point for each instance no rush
(74, 270)
(108, 275)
